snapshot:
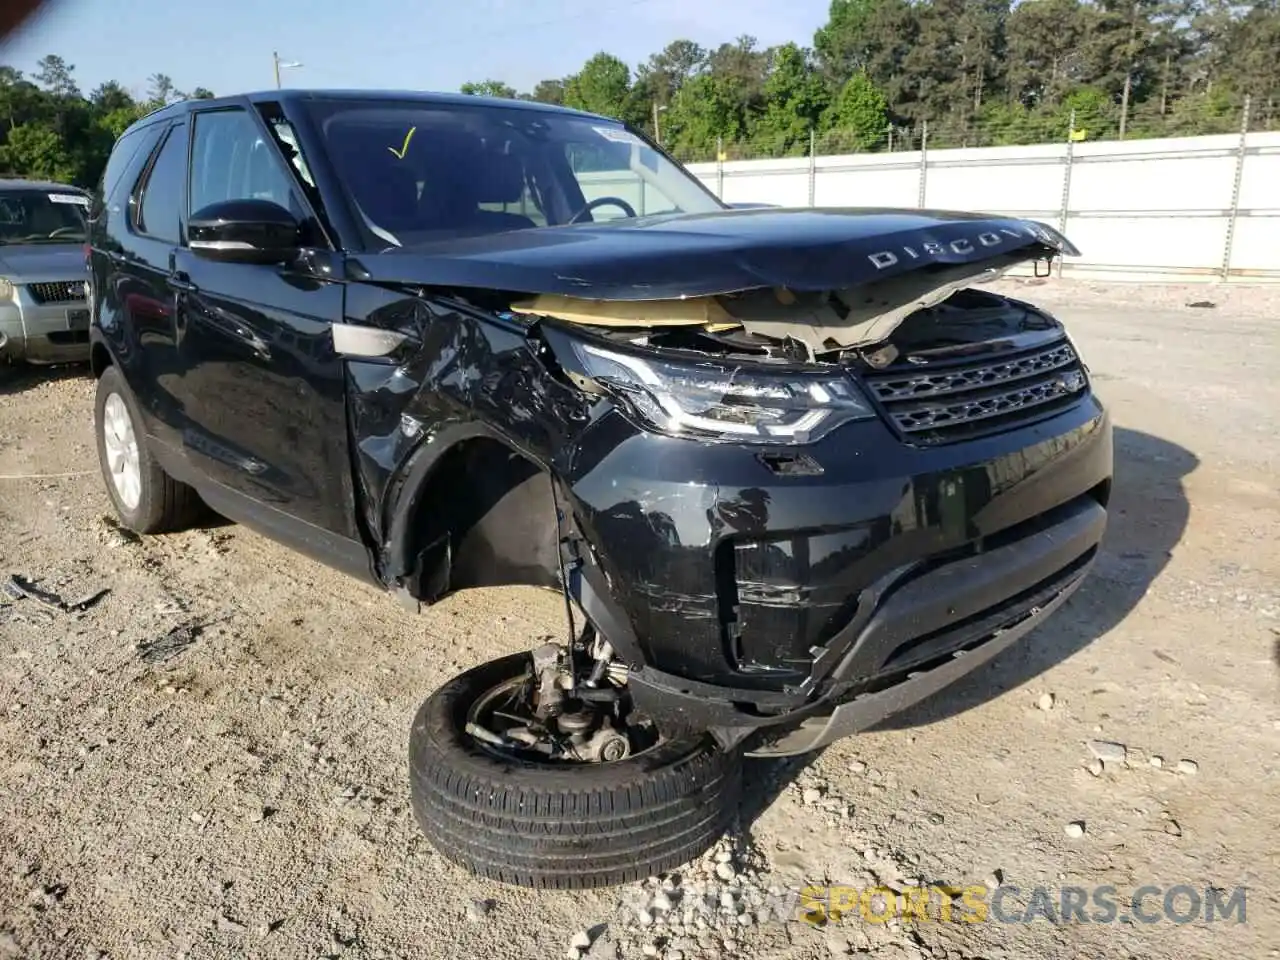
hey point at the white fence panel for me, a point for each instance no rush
(1145, 208)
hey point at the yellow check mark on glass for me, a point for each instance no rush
(405, 147)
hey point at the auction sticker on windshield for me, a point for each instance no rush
(69, 198)
(618, 135)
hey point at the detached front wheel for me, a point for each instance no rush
(562, 815)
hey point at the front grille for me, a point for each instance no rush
(60, 291)
(953, 400)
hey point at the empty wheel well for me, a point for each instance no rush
(483, 517)
(99, 359)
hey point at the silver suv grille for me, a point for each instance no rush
(59, 291)
(961, 398)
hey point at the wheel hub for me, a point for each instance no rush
(551, 713)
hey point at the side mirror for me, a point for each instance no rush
(244, 231)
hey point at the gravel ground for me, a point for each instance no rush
(210, 759)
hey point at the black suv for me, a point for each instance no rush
(789, 471)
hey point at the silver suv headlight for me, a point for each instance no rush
(720, 401)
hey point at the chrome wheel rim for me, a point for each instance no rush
(121, 445)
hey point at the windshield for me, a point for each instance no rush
(39, 216)
(420, 172)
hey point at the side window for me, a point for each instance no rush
(160, 206)
(232, 159)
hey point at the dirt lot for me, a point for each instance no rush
(240, 789)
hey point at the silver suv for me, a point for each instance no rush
(44, 313)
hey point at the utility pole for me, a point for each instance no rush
(277, 63)
(657, 132)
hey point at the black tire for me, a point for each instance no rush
(573, 827)
(164, 505)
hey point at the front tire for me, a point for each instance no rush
(146, 499)
(562, 826)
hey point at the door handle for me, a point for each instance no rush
(181, 282)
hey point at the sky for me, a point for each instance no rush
(394, 44)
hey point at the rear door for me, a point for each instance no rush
(134, 249)
(261, 388)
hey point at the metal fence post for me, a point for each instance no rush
(1066, 182)
(1235, 192)
(924, 162)
(813, 167)
(720, 167)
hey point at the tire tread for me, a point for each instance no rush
(582, 827)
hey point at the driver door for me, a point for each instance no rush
(262, 388)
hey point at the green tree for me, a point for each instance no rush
(49, 129)
(1046, 50)
(55, 76)
(549, 91)
(859, 115)
(842, 42)
(602, 86)
(35, 150)
(162, 91)
(795, 100)
(490, 88)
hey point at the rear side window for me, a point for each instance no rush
(124, 151)
(160, 207)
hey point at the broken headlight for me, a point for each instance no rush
(726, 401)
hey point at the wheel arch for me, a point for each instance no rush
(470, 510)
(99, 358)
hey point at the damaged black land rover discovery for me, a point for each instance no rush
(790, 470)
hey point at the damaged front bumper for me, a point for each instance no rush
(798, 609)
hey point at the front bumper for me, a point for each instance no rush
(44, 332)
(802, 608)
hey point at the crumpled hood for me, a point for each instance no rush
(34, 261)
(687, 255)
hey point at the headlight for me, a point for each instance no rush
(726, 401)
(6, 290)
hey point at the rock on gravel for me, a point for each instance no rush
(478, 910)
(1108, 751)
(1045, 702)
(1075, 829)
(1188, 766)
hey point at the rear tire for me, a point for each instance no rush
(569, 826)
(146, 499)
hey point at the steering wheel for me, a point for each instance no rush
(626, 208)
(61, 230)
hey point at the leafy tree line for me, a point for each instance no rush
(50, 130)
(978, 71)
